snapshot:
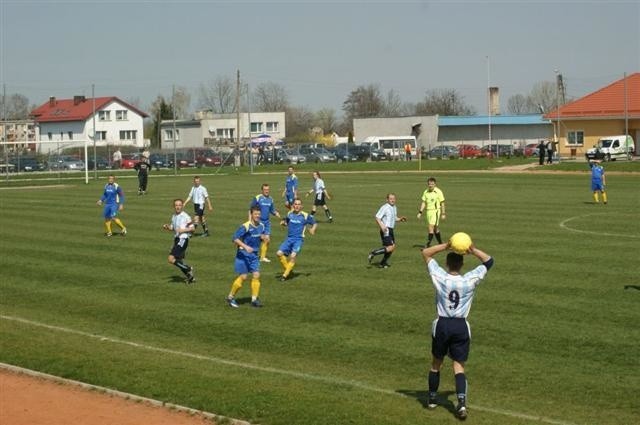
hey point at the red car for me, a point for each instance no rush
(531, 149)
(469, 151)
(130, 160)
(206, 158)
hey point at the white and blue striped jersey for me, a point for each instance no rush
(199, 194)
(454, 293)
(318, 188)
(180, 221)
(388, 214)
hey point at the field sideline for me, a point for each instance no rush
(554, 324)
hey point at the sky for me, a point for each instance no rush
(318, 50)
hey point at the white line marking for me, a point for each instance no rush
(301, 375)
(120, 394)
(563, 225)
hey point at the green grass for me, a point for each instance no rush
(554, 330)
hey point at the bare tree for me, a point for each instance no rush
(393, 106)
(518, 104)
(17, 107)
(363, 102)
(443, 102)
(219, 95)
(270, 97)
(543, 96)
(181, 102)
(299, 121)
(326, 119)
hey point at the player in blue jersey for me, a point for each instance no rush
(451, 334)
(267, 208)
(247, 239)
(113, 200)
(290, 192)
(598, 181)
(297, 222)
(182, 228)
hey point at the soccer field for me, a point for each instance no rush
(554, 325)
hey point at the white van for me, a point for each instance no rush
(393, 146)
(610, 148)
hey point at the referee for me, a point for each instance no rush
(386, 217)
(450, 331)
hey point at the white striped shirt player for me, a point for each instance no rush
(451, 334)
(386, 217)
(320, 196)
(200, 196)
(182, 227)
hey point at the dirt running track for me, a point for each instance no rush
(29, 400)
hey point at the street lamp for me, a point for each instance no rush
(557, 107)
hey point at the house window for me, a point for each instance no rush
(70, 134)
(256, 127)
(104, 115)
(121, 115)
(168, 134)
(101, 135)
(50, 135)
(128, 134)
(575, 138)
(272, 126)
(224, 133)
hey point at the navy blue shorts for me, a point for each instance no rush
(319, 200)
(179, 249)
(387, 239)
(451, 336)
(198, 209)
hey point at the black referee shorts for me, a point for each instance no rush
(451, 336)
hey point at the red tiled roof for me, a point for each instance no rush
(70, 110)
(606, 102)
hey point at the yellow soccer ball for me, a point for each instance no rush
(460, 243)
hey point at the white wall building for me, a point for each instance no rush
(69, 120)
(220, 130)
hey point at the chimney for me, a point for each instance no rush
(52, 101)
(77, 100)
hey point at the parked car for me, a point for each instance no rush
(531, 150)
(102, 163)
(205, 157)
(365, 152)
(285, 156)
(345, 153)
(130, 160)
(494, 150)
(183, 160)
(318, 155)
(66, 163)
(158, 160)
(27, 163)
(611, 148)
(444, 151)
(469, 151)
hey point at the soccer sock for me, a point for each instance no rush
(430, 239)
(107, 225)
(438, 237)
(255, 288)
(288, 269)
(385, 258)
(235, 287)
(313, 212)
(379, 251)
(284, 262)
(263, 249)
(205, 227)
(604, 197)
(434, 381)
(327, 213)
(119, 223)
(595, 197)
(182, 266)
(461, 387)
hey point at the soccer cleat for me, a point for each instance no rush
(384, 265)
(256, 303)
(370, 257)
(109, 234)
(330, 219)
(124, 232)
(190, 277)
(265, 260)
(205, 234)
(461, 411)
(232, 302)
(283, 279)
(432, 402)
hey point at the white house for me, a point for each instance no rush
(220, 130)
(69, 120)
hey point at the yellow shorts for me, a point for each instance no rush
(433, 217)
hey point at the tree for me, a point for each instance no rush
(518, 105)
(326, 119)
(363, 102)
(299, 121)
(160, 110)
(443, 102)
(17, 107)
(219, 95)
(270, 97)
(181, 102)
(392, 106)
(541, 99)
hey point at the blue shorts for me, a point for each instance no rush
(291, 245)
(289, 198)
(110, 211)
(597, 186)
(267, 226)
(179, 249)
(246, 263)
(198, 209)
(451, 336)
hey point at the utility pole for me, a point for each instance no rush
(4, 131)
(173, 114)
(237, 153)
(95, 155)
